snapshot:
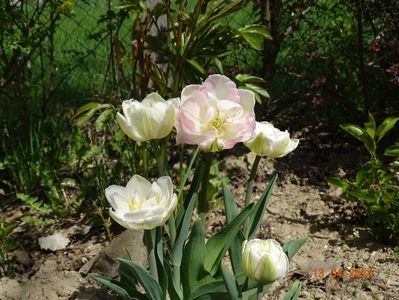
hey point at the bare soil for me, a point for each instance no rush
(340, 260)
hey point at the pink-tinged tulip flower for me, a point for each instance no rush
(215, 115)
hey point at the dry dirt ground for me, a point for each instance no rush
(302, 205)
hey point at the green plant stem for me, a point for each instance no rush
(150, 240)
(202, 200)
(251, 180)
(145, 161)
(181, 162)
(159, 150)
(250, 186)
(186, 174)
(172, 229)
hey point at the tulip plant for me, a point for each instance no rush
(183, 264)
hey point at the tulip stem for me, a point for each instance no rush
(172, 230)
(187, 173)
(251, 180)
(202, 200)
(145, 161)
(150, 242)
(250, 187)
(159, 151)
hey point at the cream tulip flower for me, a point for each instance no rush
(264, 260)
(142, 204)
(270, 141)
(152, 118)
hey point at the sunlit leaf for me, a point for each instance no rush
(386, 126)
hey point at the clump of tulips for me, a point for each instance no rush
(213, 116)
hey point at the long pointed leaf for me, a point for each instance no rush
(118, 287)
(194, 187)
(193, 259)
(162, 276)
(370, 126)
(230, 282)
(292, 247)
(174, 289)
(231, 213)
(294, 291)
(177, 251)
(386, 126)
(152, 287)
(392, 150)
(215, 287)
(221, 241)
(258, 210)
(360, 134)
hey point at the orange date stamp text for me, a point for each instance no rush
(353, 273)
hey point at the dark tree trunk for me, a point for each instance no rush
(271, 11)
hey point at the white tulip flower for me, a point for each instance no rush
(142, 204)
(264, 260)
(150, 119)
(270, 141)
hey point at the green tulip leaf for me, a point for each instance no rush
(192, 270)
(231, 212)
(294, 291)
(215, 287)
(230, 282)
(259, 210)
(174, 289)
(195, 184)
(251, 294)
(254, 290)
(219, 243)
(152, 287)
(177, 251)
(118, 288)
(292, 247)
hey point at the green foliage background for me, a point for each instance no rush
(64, 54)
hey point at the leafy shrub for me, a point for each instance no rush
(6, 245)
(376, 184)
(330, 65)
(39, 165)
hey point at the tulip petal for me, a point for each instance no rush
(213, 115)
(139, 186)
(222, 87)
(264, 260)
(247, 100)
(270, 141)
(118, 197)
(120, 220)
(189, 91)
(142, 204)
